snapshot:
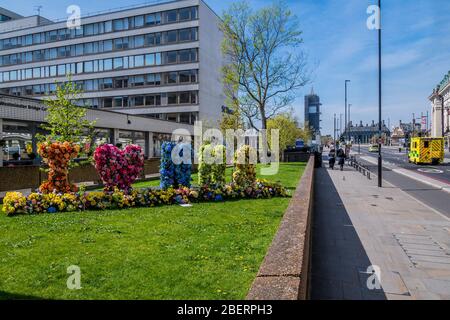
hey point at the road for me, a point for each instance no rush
(435, 198)
(392, 156)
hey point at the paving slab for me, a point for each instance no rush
(358, 225)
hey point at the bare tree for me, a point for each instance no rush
(266, 66)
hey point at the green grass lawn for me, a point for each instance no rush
(208, 251)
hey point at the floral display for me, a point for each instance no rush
(174, 175)
(119, 168)
(244, 172)
(218, 169)
(205, 168)
(37, 203)
(58, 156)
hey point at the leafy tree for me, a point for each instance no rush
(288, 130)
(266, 66)
(65, 120)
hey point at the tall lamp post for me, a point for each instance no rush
(380, 159)
(349, 123)
(346, 123)
(334, 137)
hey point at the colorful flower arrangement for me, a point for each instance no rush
(244, 171)
(16, 203)
(218, 169)
(118, 168)
(174, 175)
(58, 156)
(204, 168)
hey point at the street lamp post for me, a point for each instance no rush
(380, 159)
(349, 123)
(346, 123)
(334, 140)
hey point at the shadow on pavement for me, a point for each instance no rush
(339, 261)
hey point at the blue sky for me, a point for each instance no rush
(416, 51)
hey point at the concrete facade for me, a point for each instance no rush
(162, 61)
(440, 109)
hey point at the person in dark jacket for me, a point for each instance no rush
(341, 158)
(332, 158)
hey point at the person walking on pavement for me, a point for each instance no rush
(332, 158)
(341, 158)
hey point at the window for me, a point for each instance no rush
(139, 81)
(157, 79)
(150, 19)
(118, 63)
(107, 64)
(185, 14)
(89, 30)
(139, 100)
(194, 98)
(89, 66)
(171, 78)
(61, 70)
(120, 24)
(185, 118)
(172, 36)
(185, 56)
(53, 71)
(138, 61)
(187, 76)
(108, 26)
(120, 102)
(88, 48)
(107, 45)
(139, 41)
(172, 57)
(107, 83)
(172, 117)
(172, 98)
(185, 98)
(79, 49)
(185, 35)
(138, 21)
(107, 103)
(121, 83)
(149, 59)
(171, 16)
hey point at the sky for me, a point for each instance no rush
(416, 51)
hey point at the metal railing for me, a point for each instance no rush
(353, 162)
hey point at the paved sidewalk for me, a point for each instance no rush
(357, 225)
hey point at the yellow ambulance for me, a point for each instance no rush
(426, 150)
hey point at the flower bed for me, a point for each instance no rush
(16, 203)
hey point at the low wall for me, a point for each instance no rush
(284, 273)
(30, 177)
(293, 156)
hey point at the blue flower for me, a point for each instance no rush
(52, 210)
(218, 198)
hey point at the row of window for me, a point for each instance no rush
(124, 43)
(141, 21)
(148, 100)
(101, 65)
(138, 81)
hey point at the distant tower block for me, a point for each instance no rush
(312, 113)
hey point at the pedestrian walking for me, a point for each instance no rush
(332, 158)
(341, 158)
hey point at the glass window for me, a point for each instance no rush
(88, 29)
(150, 100)
(28, 40)
(138, 21)
(79, 67)
(185, 117)
(150, 39)
(89, 66)
(139, 100)
(157, 79)
(108, 26)
(107, 45)
(172, 36)
(107, 103)
(118, 63)
(138, 61)
(120, 24)
(139, 81)
(185, 14)
(194, 13)
(185, 55)
(185, 98)
(185, 76)
(53, 71)
(107, 64)
(172, 98)
(171, 16)
(171, 78)
(139, 41)
(172, 57)
(61, 70)
(150, 19)
(53, 53)
(120, 83)
(79, 49)
(88, 48)
(158, 18)
(107, 83)
(149, 59)
(185, 34)
(194, 97)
